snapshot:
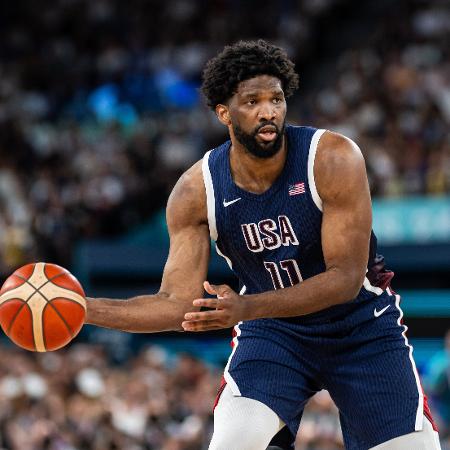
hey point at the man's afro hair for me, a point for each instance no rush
(244, 60)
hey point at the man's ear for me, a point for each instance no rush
(223, 114)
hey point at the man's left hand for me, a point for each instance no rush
(229, 310)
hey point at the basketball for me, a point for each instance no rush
(42, 307)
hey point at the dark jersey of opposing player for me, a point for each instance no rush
(273, 240)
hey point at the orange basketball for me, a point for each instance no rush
(42, 307)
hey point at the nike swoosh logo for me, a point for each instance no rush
(230, 202)
(381, 311)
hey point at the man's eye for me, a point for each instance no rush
(277, 100)
(251, 102)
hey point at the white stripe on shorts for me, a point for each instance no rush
(419, 413)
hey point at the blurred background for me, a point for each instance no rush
(100, 113)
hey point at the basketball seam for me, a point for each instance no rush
(14, 287)
(59, 314)
(43, 326)
(25, 303)
(32, 334)
(49, 303)
(67, 273)
(48, 280)
(17, 313)
(28, 299)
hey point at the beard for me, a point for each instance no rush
(265, 150)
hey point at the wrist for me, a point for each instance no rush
(248, 307)
(91, 311)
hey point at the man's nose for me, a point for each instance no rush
(267, 112)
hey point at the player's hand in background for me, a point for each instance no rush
(229, 308)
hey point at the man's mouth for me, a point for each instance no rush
(267, 133)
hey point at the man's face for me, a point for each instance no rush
(257, 113)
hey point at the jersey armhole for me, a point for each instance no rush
(210, 198)
(311, 158)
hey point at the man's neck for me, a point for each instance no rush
(255, 174)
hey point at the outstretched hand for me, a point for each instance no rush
(229, 309)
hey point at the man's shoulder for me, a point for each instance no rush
(335, 149)
(339, 165)
(191, 181)
(188, 198)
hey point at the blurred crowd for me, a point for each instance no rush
(100, 110)
(82, 398)
(392, 95)
(77, 399)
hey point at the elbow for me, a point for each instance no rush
(180, 304)
(354, 280)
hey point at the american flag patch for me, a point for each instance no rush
(297, 188)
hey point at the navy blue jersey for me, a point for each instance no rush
(357, 350)
(272, 240)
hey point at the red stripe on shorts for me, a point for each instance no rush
(223, 383)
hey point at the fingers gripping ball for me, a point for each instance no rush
(42, 307)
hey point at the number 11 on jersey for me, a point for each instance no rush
(288, 265)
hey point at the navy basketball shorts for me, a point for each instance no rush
(358, 352)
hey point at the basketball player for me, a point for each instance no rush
(289, 209)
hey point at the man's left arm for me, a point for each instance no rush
(342, 185)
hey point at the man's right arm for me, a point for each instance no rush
(184, 272)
